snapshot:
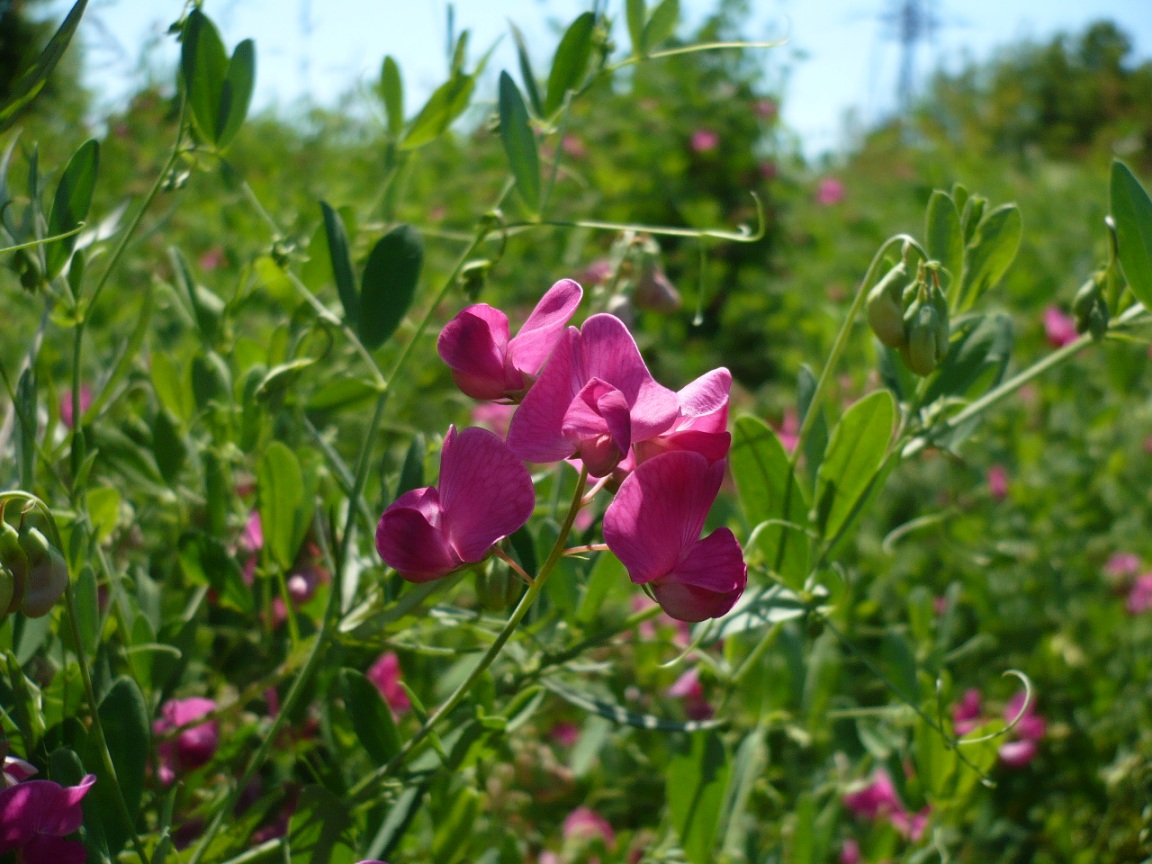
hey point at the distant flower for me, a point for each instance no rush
(829, 191)
(704, 141)
(850, 852)
(966, 714)
(493, 415)
(655, 292)
(998, 482)
(1059, 327)
(768, 170)
(66, 404)
(768, 109)
(191, 748)
(574, 146)
(385, 674)
(213, 259)
(486, 363)
(586, 823)
(1030, 729)
(789, 430)
(688, 688)
(878, 800)
(565, 734)
(653, 526)
(597, 272)
(485, 494)
(1140, 597)
(36, 815)
(1122, 564)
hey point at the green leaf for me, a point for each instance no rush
(768, 495)
(205, 560)
(341, 260)
(519, 143)
(757, 608)
(204, 66)
(236, 93)
(696, 784)
(446, 104)
(989, 254)
(637, 14)
(945, 239)
(816, 440)
(285, 511)
(662, 23)
(319, 827)
(173, 387)
(124, 719)
(371, 718)
(207, 307)
(526, 71)
(70, 206)
(392, 92)
(570, 61)
(854, 458)
(28, 86)
(1132, 213)
(977, 358)
(389, 283)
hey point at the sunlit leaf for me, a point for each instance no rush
(570, 61)
(519, 143)
(389, 283)
(697, 782)
(392, 92)
(1132, 213)
(71, 204)
(341, 260)
(28, 86)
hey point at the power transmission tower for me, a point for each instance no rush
(910, 22)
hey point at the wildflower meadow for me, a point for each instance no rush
(557, 466)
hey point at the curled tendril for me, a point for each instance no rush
(1028, 699)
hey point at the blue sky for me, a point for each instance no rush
(836, 60)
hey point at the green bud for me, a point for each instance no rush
(885, 312)
(921, 353)
(943, 326)
(7, 590)
(15, 561)
(1091, 309)
(47, 574)
(497, 587)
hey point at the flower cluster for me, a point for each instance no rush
(583, 394)
(36, 816)
(1022, 747)
(878, 801)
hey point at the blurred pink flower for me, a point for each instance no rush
(829, 191)
(191, 748)
(485, 494)
(878, 800)
(36, 815)
(688, 688)
(597, 272)
(768, 109)
(565, 734)
(1122, 564)
(789, 430)
(966, 713)
(1027, 732)
(998, 482)
(493, 415)
(704, 141)
(574, 146)
(1059, 327)
(213, 259)
(1140, 597)
(587, 825)
(66, 404)
(653, 526)
(1017, 754)
(385, 674)
(768, 170)
(850, 852)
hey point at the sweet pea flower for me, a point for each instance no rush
(1029, 730)
(485, 494)
(878, 800)
(689, 688)
(1140, 597)
(36, 816)
(14, 770)
(193, 747)
(830, 191)
(66, 405)
(702, 422)
(594, 399)
(653, 526)
(385, 674)
(485, 363)
(998, 482)
(966, 713)
(850, 852)
(586, 824)
(1059, 327)
(704, 141)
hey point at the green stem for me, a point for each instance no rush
(360, 791)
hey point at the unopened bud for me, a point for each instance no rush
(921, 354)
(497, 587)
(654, 291)
(47, 574)
(943, 325)
(1091, 309)
(885, 312)
(14, 560)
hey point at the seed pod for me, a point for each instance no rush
(943, 325)
(13, 559)
(47, 574)
(885, 312)
(920, 354)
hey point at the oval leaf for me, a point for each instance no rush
(392, 92)
(341, 260)
(28, 86)
(284, 515)
(124, 719)
(990, 253)
(236, 92)
(519, 142)
(371, 718)
(570, 61)
(70, 206)
(1132, 212)
(697, 783)
(203, 66)
(945, 239)
(389, 283)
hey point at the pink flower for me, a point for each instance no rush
(704, 141)
(385, 674)
(213, 259)
(702, 422)
(565, 734)
(689, 688)
(574, 146)
(1059, 327)
(850, 852)
(1122, 565)
(998, 482)
(1017, 754)
(494, 415)
(66, 404)
(597, 272)
(485, 363)
(768, 170)
(15, 770)
(830, 191)
(878, 800)
(966, 713)
(653, 525)
(194, 746)
(789, 430)
(1140, 597)
(485, 494)
(36, 815)
(1030, 729)
(587, 825)
(594, 399)
(767, 108)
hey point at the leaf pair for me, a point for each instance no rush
(976, 248)
(647, 30)
(388, 283)
(219, 90)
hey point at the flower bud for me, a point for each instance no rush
(943, 327)
(497, 587)
(654, 291)
(14, 561)
(1091, 309)
(885, 309)
(922, 353)
(47, 574)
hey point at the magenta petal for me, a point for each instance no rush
(410, 542)
(611, 354)
(486, 493)
(704, 402)
(474, 346)
(544, 327)
(708, 582)
(659, 511)
(54, 850)
(536, 431)
(598, 425)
